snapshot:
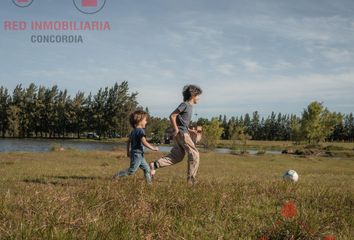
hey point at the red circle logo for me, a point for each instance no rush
(22, 3)
(89, 6)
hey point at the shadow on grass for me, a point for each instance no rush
(60, 179)
(75, 177)
(45, 182)
(71, 180)
(7, 163)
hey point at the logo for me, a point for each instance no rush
(89, 6)
(289, 222)
(22, 3)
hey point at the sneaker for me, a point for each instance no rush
(152, 169)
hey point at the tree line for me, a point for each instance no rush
(316, 124)
(50, 112)
(38, 111)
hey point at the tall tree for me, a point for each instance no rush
(255, 126)
(99, 104)
(29, 114)
(18, 110)
(77, 113)
(13, 113)
(39, 111)
(4, 109)
(295, 129)
(224, 126)
(349, 127)
(50, 113)
(62, 105)
(317, 122)
(126, 104)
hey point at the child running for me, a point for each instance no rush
(135, 146)
(183, 143)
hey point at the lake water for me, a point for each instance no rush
(45, 145)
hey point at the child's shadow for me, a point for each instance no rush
(76, 177)
(62, 179)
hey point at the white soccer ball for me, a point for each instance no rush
(291, 175)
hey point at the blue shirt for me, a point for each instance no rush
(135, 139)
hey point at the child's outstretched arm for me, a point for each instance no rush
(173, 118)
(128, 147)
(148, 145)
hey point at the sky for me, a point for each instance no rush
(246, 55)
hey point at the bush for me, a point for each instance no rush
(211, 134)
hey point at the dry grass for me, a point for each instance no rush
(70, 195)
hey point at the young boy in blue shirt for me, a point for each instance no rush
(135, 146)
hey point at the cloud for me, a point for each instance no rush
(226, 69)
(281, 90)
(338, 55)
(251, 66)
(308, 29)
(282, 64)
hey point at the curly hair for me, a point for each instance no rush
(191, 91)
(137, 116)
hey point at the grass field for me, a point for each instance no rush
(70, 195)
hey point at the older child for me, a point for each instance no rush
(135, 149)
(183, 142)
